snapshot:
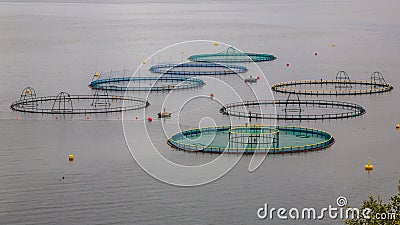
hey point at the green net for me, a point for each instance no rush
(232, 55)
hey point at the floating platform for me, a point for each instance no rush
(164, 83)
(197, 69)
(341, 86)
(232, 55)
(251, 139)
(65, 103)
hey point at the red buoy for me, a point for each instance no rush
(137, 117)
(150, 119)
(56, 117)
(287, 64)
(212, 95)
(316, 53)
(258, 78)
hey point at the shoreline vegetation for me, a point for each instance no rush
(378, 208)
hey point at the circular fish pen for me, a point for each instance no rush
(164, 83)
(251, 139)
(197, 69)
(342, 85)
(65, 103)
(232, 55)
(293, 109)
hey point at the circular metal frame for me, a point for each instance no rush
(223, 69)
(355, 110)
(232, 55)
(63, 103)
(175, 143)
(181, 83)
(343, 86)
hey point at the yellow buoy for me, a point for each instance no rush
(28, 91)
(398, 126)
(96, 75)
(369, 166)
(71, 157)
(144, 62)
(333, 45)
(216, 43)
(182, 53)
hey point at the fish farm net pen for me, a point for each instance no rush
(232, 55)
(285, 140)
(293, 109)
(164, 83)
(65, 103)
(197, 69)
(342, 85)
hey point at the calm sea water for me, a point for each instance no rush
(55, 47)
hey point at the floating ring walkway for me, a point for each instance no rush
(293, 109)
(203, 69)
(65, 103)
(164, 83)
(232, 55)
(251, 139)
(340, 86)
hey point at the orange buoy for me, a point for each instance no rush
(88, 118)
(149, 119)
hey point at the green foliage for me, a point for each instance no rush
(378, 209)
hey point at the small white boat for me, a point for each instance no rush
(250, 80)
(164, 114)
